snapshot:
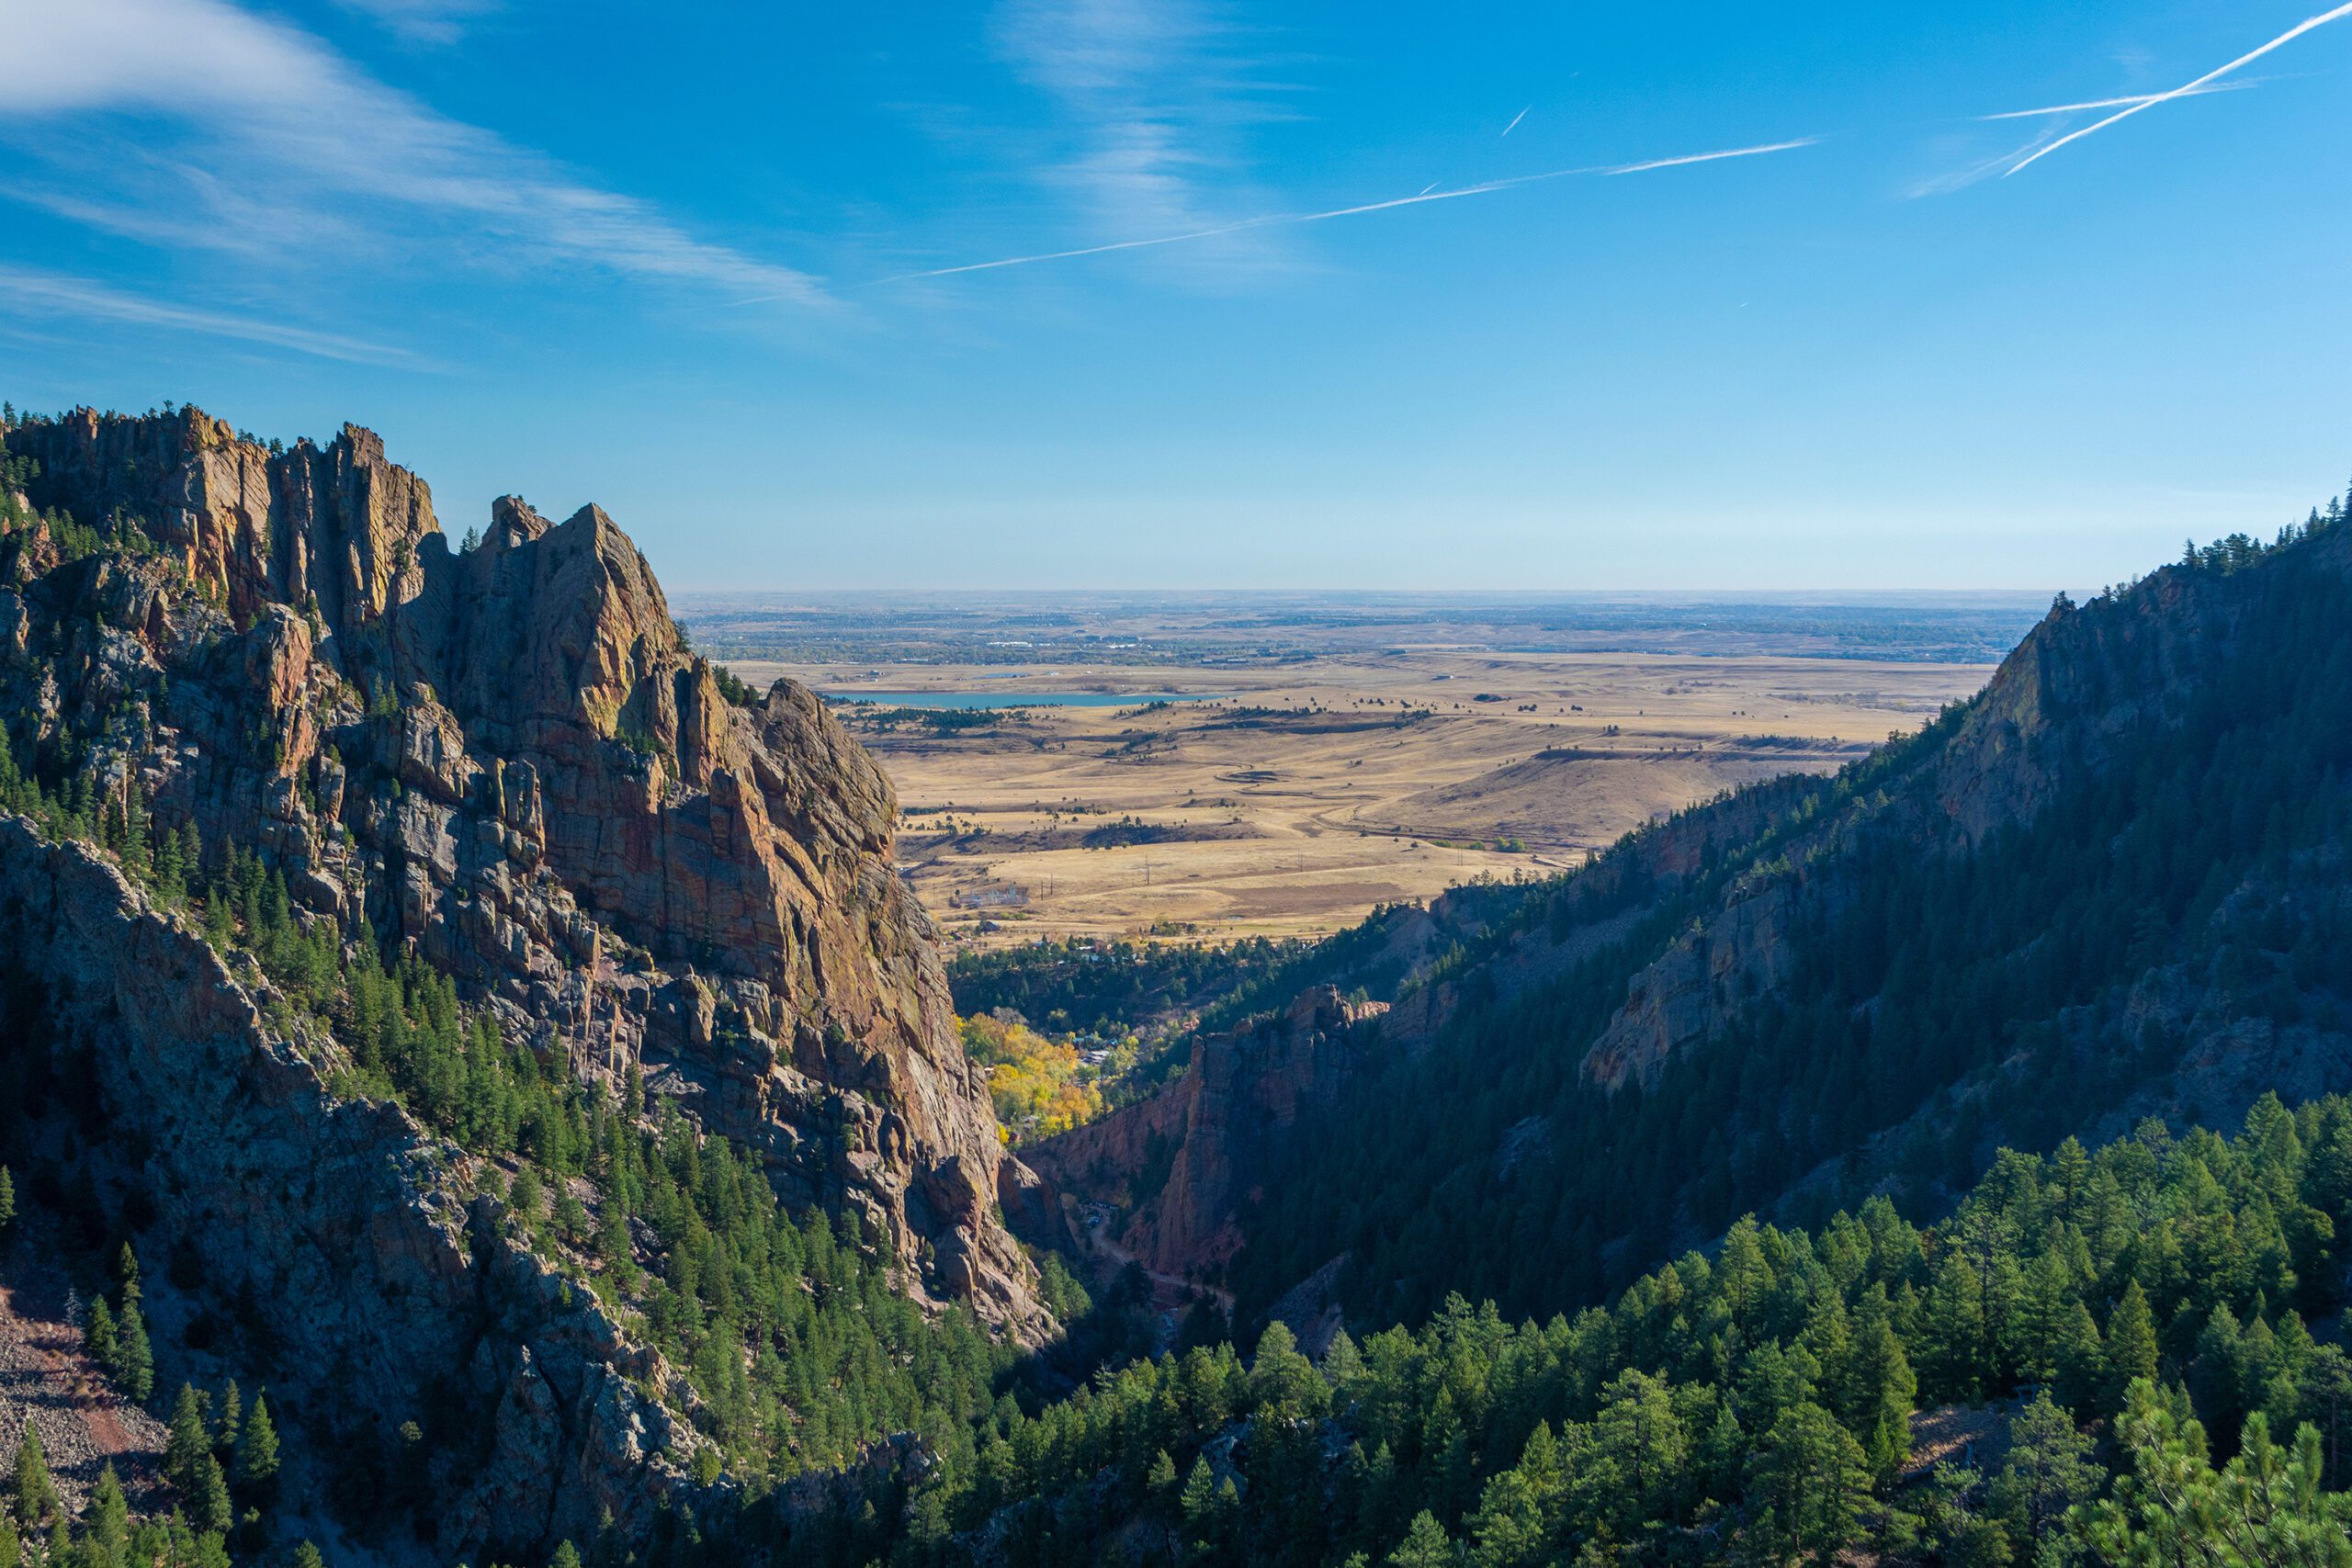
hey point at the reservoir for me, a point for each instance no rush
(1011, 699)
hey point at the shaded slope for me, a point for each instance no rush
(2113, 882)
(2116, 877)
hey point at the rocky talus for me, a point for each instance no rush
(505, 758)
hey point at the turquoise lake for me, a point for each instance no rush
(1011, 699)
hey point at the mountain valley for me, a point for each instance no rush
(475, 1082)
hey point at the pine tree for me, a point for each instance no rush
(613, 1244)
(36, 1493)
(1197, 1509)
(1878, 1387)
(106, 1525)
(99, 1337)
(209, 1506)
(2266, 1506)
(2081, 1358)
(1425, 1545)
(2130, 1345)
(136, 1359)
(135, 828)
(7, 1201)
(2050, 1470)
(1342, 1362)
(1809, 1480)
(1506, 1530)
(524, 1199)
(187, 1442)
(171, 872)
(257, 1457)
(232, 1416)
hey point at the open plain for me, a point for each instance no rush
(1284, 779)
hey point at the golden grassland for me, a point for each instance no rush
(1291, 801)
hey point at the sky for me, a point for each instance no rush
(1164, 293)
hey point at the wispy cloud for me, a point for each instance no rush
(1485, 188)
(424, 21)
(197, 124)
(1151, 101)
(2185, 90)
(51, 293)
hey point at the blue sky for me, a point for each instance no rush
(673, 259)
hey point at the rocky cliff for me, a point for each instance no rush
(1174, 1170)
(340, 1232)
(506, 759)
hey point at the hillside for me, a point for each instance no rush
(2111, 885)
(497, 1017)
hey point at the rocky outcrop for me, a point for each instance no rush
(335, 1230)
(506, 758)
(1175, 1169)
(1691, 987)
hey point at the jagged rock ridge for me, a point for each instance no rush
(506, 757)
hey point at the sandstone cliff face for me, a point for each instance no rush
(507, 758)
(1211, 1134)
(338, 1225)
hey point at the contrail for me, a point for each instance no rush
(2117, 102)
(1485, 188)
(1514, 122)
(2298, 30)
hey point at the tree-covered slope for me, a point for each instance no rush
(2111, 884)
(2114, 881)
(1756, 1404)
(2125, 1357)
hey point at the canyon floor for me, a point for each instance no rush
(1299, 786)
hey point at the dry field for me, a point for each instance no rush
(1290, 800)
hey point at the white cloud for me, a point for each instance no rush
(283, 142)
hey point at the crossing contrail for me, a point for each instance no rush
(2298, 30)
(2118, 103)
